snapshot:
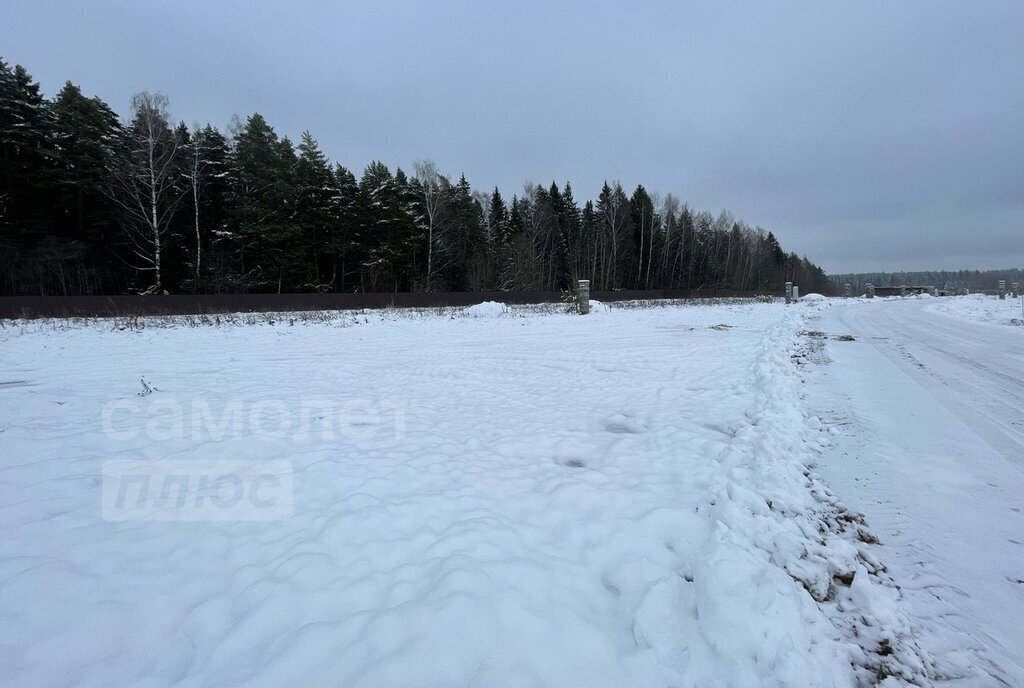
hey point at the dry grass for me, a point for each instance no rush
(335, 318)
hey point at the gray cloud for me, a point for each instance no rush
(867, 135)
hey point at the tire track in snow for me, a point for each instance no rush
(942, 496)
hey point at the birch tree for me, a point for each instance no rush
(195, 170)
(144, 183)
(435, 189)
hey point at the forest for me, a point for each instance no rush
(953, 280)
(91, 204)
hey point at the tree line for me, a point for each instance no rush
(90, 204)
(953, 280)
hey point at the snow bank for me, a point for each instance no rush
(813, 297)
(621, 501)
(487, 309)
(979, 308)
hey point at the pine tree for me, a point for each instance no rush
(80, 220)
(549, 213)
(261, 206)
(378, 188)
(392, 234)
(193, 212)
(27, 168)
(316, 212)
(467, 269)
(87, 132)
(497, 219)
(572, 238)
(519, 266)
(407, 238)
(350, 241)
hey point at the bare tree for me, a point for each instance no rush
(484, 199)
(435, 191)
(143, 182)
(195, 171)
(614, 220)
(669, 214)
(655, 226)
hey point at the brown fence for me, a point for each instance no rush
(115, 306)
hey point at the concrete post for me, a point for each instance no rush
(796, 293)
(789, 292)
(903, 290)
(846, 290)
(1002, 289)
(584, 296)
(870, 288)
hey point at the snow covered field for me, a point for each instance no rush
(621, 499)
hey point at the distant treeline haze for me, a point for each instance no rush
(93, 205)
(972, 280)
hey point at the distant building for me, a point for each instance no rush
(907, 290)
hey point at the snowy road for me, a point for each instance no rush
(975, 369)
(932, 451)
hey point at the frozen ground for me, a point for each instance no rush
(929, 400)
(980, 308)
(551, 500)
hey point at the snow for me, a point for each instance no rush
(980, 308)
(538, 500)
(929, 415)
(813, 297)
(487, 309)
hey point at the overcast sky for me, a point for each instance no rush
(866, 135)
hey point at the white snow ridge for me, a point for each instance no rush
(547, 500)
(487, 309)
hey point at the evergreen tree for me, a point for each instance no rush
(351, 239)
(260, 207)
(27, 167)
(81, 238)
(590, 246)
(391, 229)
(497, 219)
(205, 173)
(87, 132)
(378, 188)
(572, 238)
(408, 238)
(468, 239)
(317, 200)
(519, 268)
(643, 221)
(195, 211)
